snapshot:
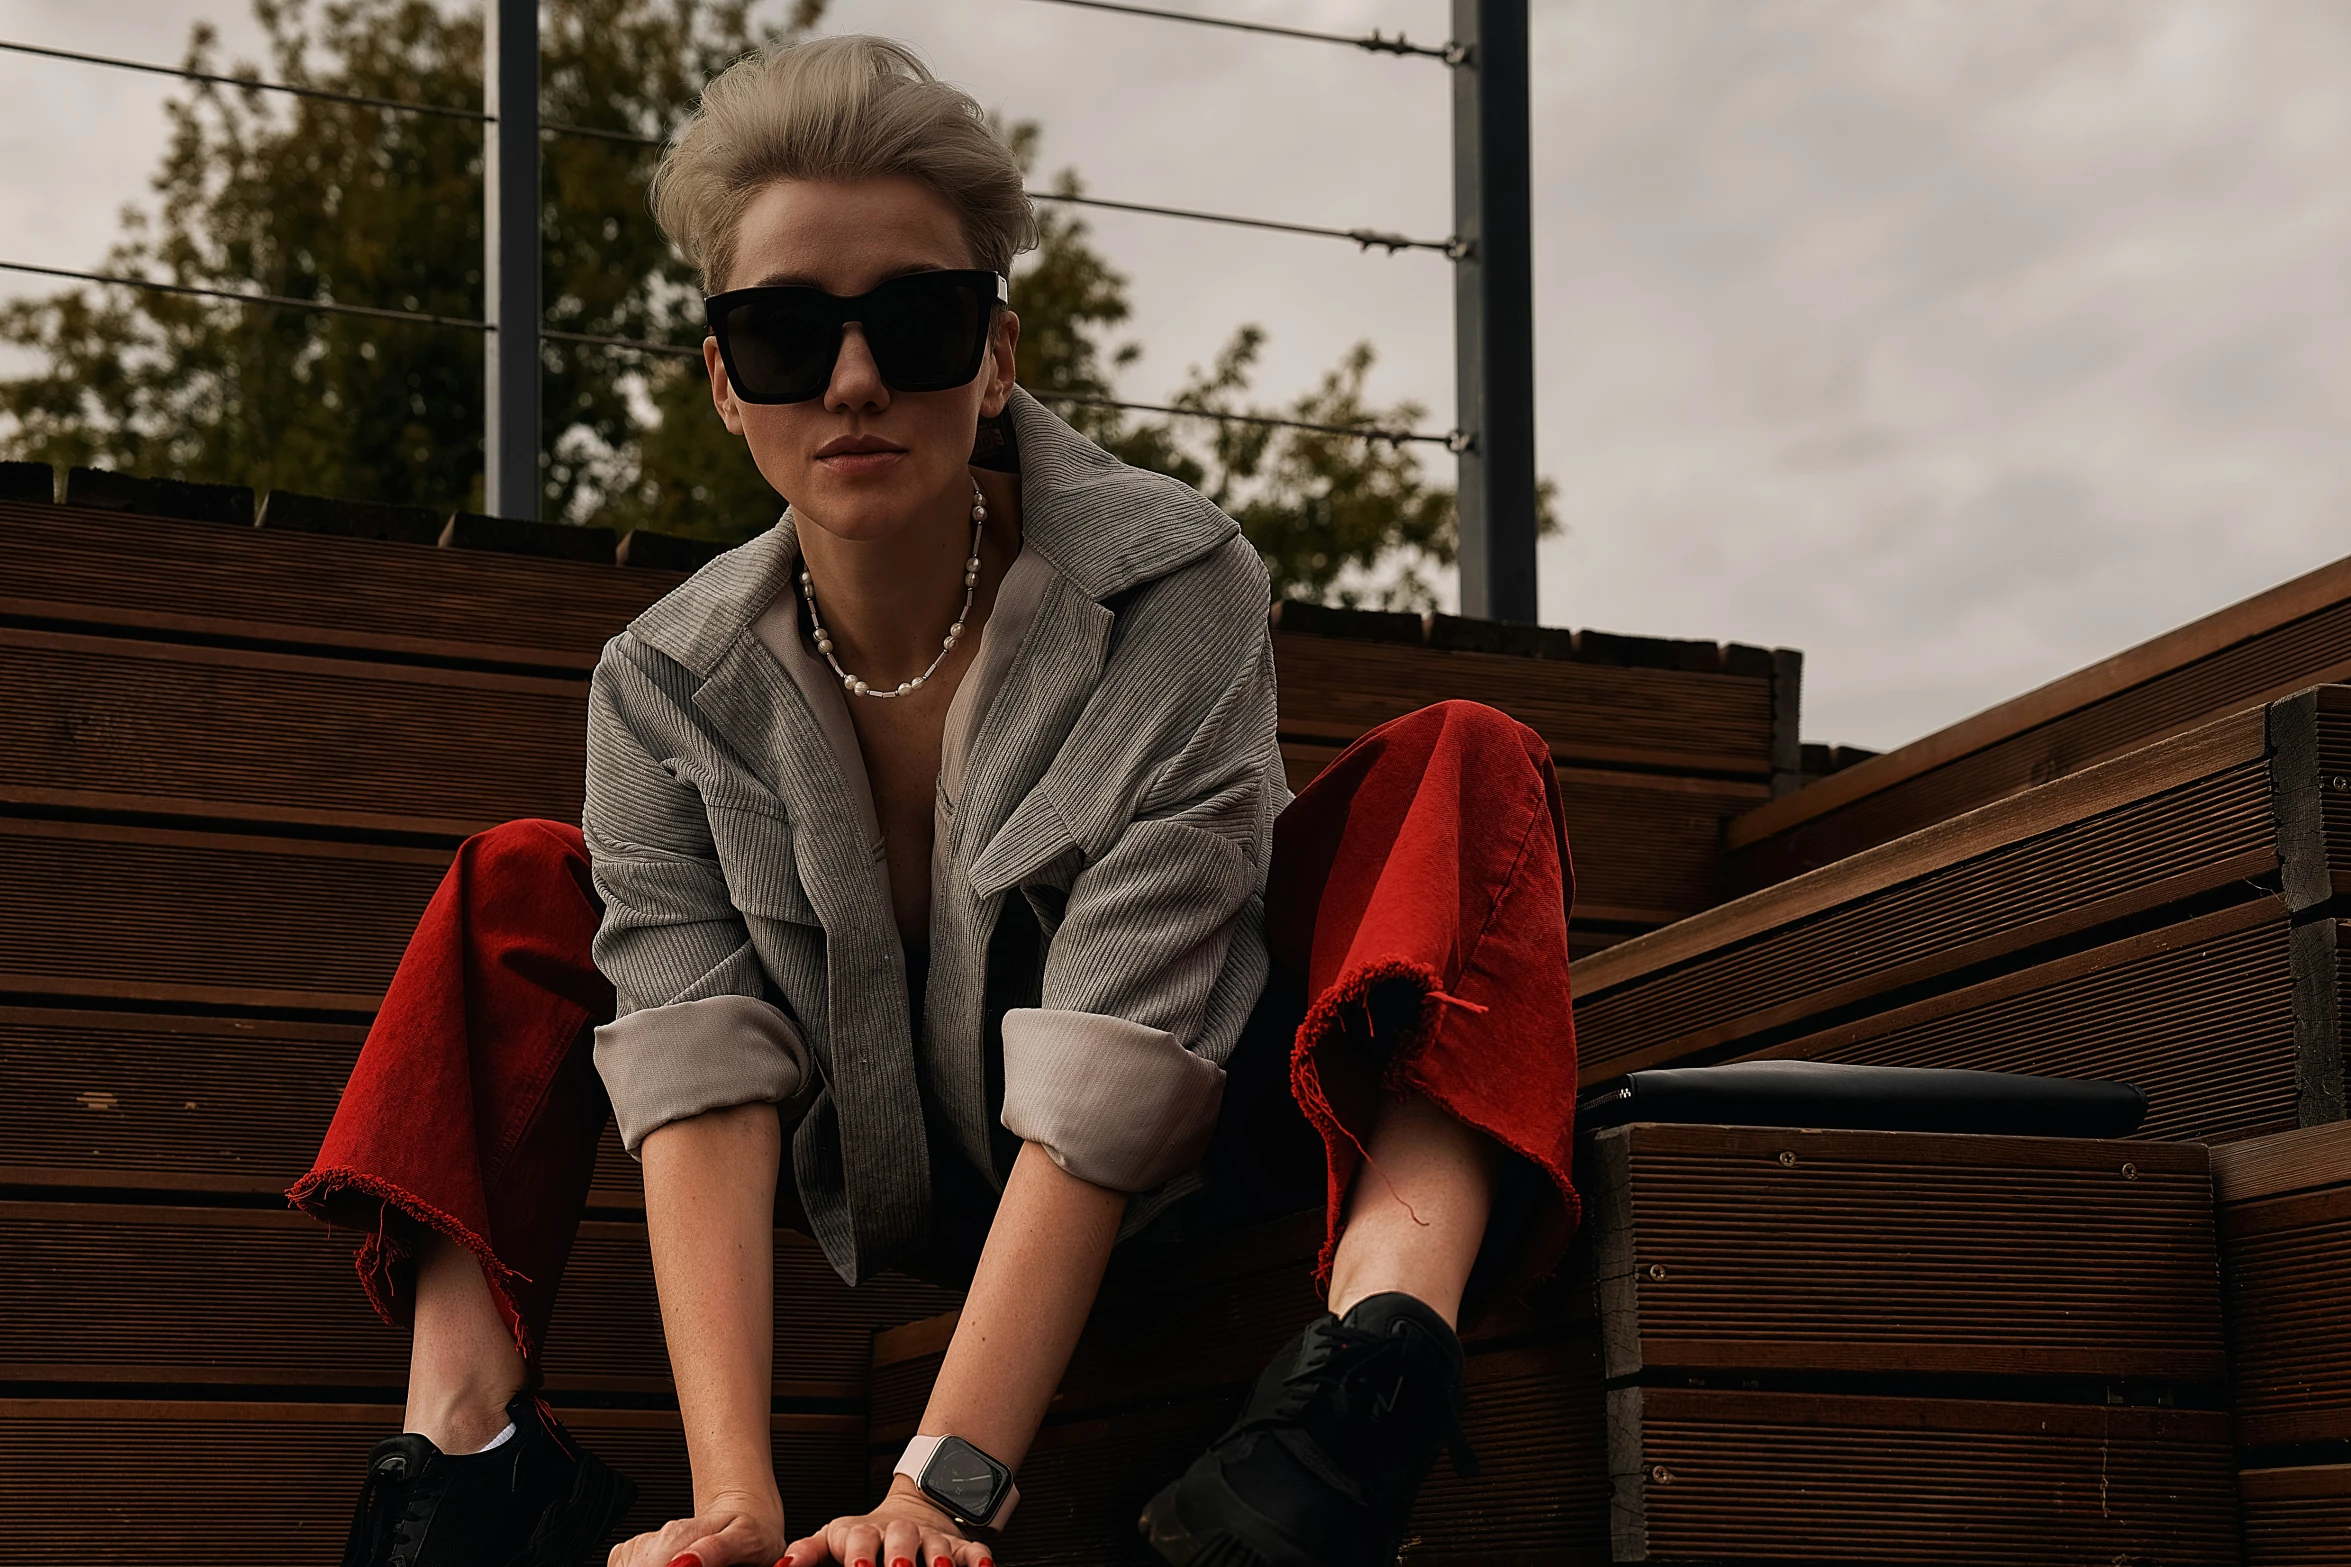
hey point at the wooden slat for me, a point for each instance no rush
(123, 725)
(153, 915)
(198, 1484)
(1761, 1249)
(314, 591)
(182, 1296)
(1713, 1476)
(149, 1102)
(2293, 1161)
(2151, 830)
(2288, 1266)
(2200, 1015)
(2293, 636)
(1595, 715)
(2297, 1517)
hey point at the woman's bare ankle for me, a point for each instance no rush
(459, 1423)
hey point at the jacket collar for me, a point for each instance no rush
(1100, 524)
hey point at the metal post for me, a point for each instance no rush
(1494, 310)
(510, 258)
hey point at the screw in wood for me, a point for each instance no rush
(1661, 1474)
(1787, 1157)
(2130, 1172)
(1657, 1270)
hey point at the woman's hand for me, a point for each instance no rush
(906, 1530)
(731, 1531)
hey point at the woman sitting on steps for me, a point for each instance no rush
(937, 897)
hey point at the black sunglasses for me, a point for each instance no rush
(927, 331)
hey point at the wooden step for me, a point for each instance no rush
(1714, 1475)
(182, 1297)
(130, 1483)
(299, 591)
(136, 1102)
(1877, 1347)
(2180, 826)
(2223, 1020)
(156, 728)
(99, 911)
(2291, 637)
(2297, 1517)
(2285, 1227)
(1742, 1250)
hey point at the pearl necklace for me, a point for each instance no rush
(971, 582)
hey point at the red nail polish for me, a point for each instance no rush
(685, 1559)
(900, 1561)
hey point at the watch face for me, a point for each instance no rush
(966, 1481)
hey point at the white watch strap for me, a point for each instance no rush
(917, 1458)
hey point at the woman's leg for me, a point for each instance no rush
(1417, 1213)
(1419, 890)
(462, 1152)
(463, 1368)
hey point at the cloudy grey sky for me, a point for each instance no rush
(1956, 342)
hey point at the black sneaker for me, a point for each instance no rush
(1322, 1466)
(537, 1499)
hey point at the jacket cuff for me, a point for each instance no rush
(1117, 1104)
(664, 1064)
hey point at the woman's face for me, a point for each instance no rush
(861, 461)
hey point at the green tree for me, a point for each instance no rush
(315, 200)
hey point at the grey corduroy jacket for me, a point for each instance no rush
(1111, 762)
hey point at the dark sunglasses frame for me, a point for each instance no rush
(870, 310)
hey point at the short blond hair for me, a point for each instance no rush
(847, 108)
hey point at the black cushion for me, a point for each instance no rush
(1870, 1098)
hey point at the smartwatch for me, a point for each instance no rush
(973, 1488)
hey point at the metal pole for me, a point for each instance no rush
(510, 258)
(1494, 310)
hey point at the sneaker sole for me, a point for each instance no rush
(1184, 1538)
(600, 1497)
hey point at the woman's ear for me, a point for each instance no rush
(1003, 360)
(722, 395)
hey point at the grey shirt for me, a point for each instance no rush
(1110, 760)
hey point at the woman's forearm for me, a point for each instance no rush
(1036, 1282)
(710, 1212)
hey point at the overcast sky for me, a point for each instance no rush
(1956, 342)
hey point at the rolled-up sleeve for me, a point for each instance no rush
(1159, 954)
(695, 1030)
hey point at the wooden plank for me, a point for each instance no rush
(128, 1483)
(177, 1296)
(1597, 715)
(1885, 1253)
(1720, 1475)
(2201, 1015)
(2293, 636)
(161, 1102)
(2287, 1261)
(309, 591)
(99, 911)
(2227, 748)
(2301, 1160)
(120, 725)
(2151, 832)
(2297, 1517)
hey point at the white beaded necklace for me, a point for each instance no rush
(971, 582)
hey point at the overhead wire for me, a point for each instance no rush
(676, 350)
(1375, 41)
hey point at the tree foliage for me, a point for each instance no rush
(315, 200)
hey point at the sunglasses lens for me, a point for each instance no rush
(928, 331)
(782, 343)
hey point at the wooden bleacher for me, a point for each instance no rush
(2273, 644)
(240, 760)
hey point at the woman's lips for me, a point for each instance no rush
(853, 465)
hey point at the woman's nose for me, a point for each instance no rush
(857, 380)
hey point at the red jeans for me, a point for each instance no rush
(1417, 900)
